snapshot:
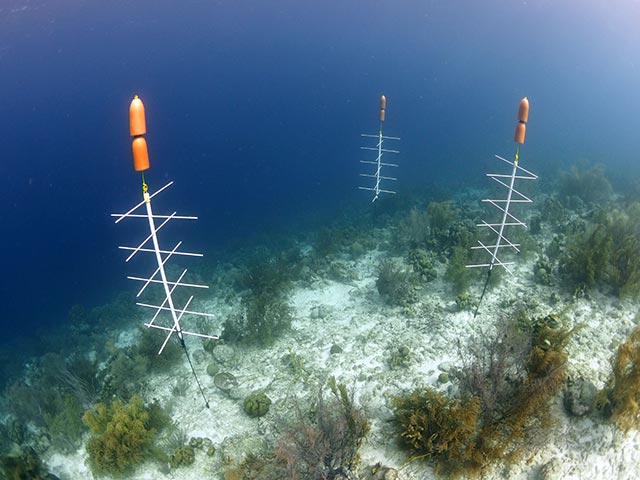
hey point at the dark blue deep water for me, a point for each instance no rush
(254, 109)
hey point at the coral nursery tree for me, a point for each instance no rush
(506, 389)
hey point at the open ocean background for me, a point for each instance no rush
(255, 109)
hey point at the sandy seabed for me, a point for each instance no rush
(353, 316)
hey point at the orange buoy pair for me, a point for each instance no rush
(137, 128)
(383, 107)
(523, 118)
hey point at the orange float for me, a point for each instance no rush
(137, 128)
(523, 118)
(140, 154)
(383, 106)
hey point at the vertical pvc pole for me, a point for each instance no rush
(163, 275)
(506, 210)
(379, 165)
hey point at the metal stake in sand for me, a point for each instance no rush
(504, 205)
(377, 174)
(137, 126)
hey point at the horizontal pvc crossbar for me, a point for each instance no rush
(505, 211)
(497, 246)
(167, 329)
(377, 176)
(479, 265)
(166, 299)
(500, 237)
(140, 215)
(378, 190)
(518, 167)
(149, 237)
(508, 224)
(125, 215)
(381, 163)
(160, 307)
(384, 150)
(187, 254)
(378, 136)
(191, 285)
(506, 175)
(157, 270)
(522, 195)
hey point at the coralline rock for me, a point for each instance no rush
(580, 397)
(445, 367)
(225, 381)
(318, 312)
(224, 354)
(552, 470)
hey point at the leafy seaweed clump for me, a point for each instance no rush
(442, 429)
(326, 447)
(267, 275)
(506, 389)
(457, 272)
(396, 285)
(123, 435)
(184, 455)
(53, 397)
(262, 319)
(24, 465)
(438, 228)
(466, 301)
(414, 231)
(65, 427)
(320, 443)
(129, 368)
(335, 239)
(423, 263)
(264, 313)
(620, 398)
(442, 216)
(608, 253)
(590, 185)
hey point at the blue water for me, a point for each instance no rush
(254, 109)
